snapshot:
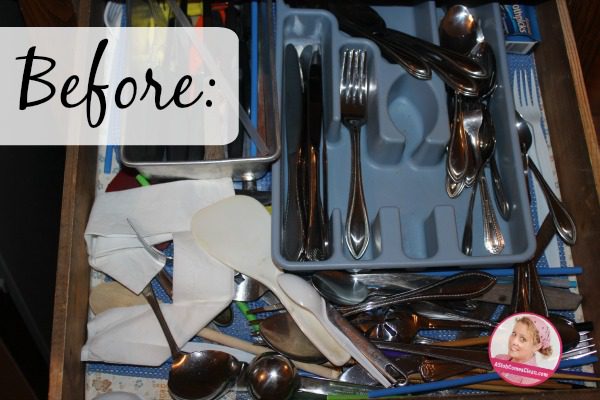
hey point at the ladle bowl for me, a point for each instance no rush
(202, 375)
(272, 376)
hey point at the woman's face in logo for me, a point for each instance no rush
(522, 343)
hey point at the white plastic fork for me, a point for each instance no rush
(528, 105)
(527, 102)
(585, 348)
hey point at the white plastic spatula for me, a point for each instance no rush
(359, 347)
(237, 232)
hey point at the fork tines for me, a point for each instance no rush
(354, 83)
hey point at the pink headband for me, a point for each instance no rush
(543, 330)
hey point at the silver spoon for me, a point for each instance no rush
(339, 287)
(281, 333)
(493, 239)
(458, 29)
(458, 71)
(483, 53)
(398, 325)
(458, 159)
(563, 222)
(271, 376)
(461, 32)
(201, 375)
(247, 288)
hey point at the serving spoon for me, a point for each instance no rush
(281, 333)
(200, 375)
(272, 376)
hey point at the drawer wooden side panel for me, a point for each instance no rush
(560, 81)
(573, 140)
(73, 276)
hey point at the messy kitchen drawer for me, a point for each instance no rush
(569, 125)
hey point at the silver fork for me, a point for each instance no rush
(354, 87)
(164, 278)
(153, 251)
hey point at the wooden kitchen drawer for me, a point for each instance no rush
(574, 147)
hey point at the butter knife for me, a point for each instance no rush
(315, 245)
(293, 109)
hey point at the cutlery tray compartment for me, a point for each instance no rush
(413, 222)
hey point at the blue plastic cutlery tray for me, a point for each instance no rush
(414, 224)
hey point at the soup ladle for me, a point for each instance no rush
(206, 375)
(201, 375)
(272, 376)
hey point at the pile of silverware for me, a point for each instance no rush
(372, 331)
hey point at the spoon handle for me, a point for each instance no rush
(365, 352)
(464, 285)
(456, 324)
(148, 293)
(492, 236)
(474, 358)
(407, 58)
(499, 193)
(565, 227)
(456, 61)
(458, 147)
(331, 387)
(537, 300)
(435, 370)
(527, 290)
(467, 241)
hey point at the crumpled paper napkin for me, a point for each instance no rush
(202, 286)
(157, 212)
